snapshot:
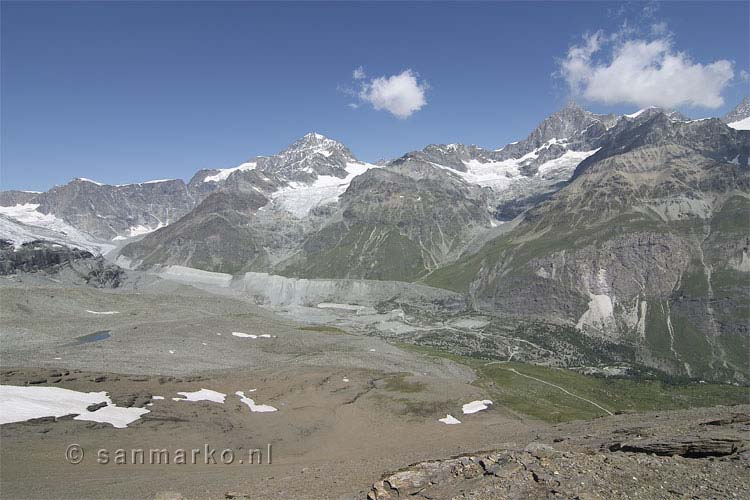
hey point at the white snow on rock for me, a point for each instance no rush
(299, 198)
(500, 175)
(18, 404)
(450, 420)
(476, 406)
(639, 112)
(255, 407)
(84, 179)
(244, 335)
(202, 395)
(140, 230)
(155, 398)
(102, 312)
(565, 163)
(23, 223)
(224, 173)
(743, 124)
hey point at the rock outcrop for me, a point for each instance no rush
(593, 464)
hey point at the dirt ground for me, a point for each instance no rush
(330, 438)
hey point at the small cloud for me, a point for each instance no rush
(650, 9)
(744, 75)
(659, 29)
(401, 95)
(621, 69)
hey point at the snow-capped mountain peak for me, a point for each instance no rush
(740, 112)
(315, 144)
(308, 157)
(739, 117)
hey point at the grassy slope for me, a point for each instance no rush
(367, 251)
(547, 403)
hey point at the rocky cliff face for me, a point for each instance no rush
(36, 256)
(297, 174)
(110, 211)
(302, 163)
(646, 247)
(740, 112)
(217, 236)
(392, 225)
(633, 228)
(49, 258)
(619, 457)
(15, 197)
(523, 173)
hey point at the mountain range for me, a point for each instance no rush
(630, 231)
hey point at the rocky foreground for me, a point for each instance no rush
(701, 453)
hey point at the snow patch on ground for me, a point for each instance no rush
(102, 312)
(244, 335)
(450, 420)
(18, 404)
(476, 406)
(202, 395)
(255, 408)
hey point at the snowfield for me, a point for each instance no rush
(299, 198)
(740, 125)
(224, 173)
(18, 404)
(23, 223)
(501, 175)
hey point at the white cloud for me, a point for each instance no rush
(620, 70)
(744, 75)
(401, 95)
(661, 28)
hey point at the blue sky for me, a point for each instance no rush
(123, 91)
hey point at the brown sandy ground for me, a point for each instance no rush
(329, 437)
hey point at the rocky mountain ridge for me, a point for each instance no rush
(644, 247)
(631, 231)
